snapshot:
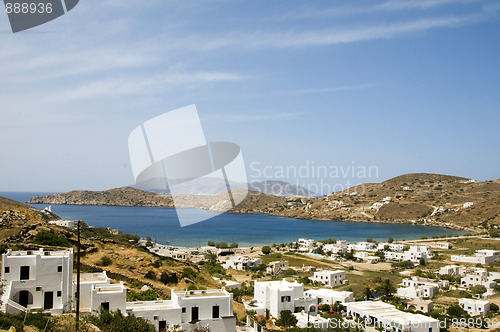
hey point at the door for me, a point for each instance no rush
(24, 296)
(215, 311)
(194, 313)
(48, 300)
(162, 325)
(25, 273)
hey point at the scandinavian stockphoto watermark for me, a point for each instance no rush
(170, 154)
(27, 14)
(312, 177)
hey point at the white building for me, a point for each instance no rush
(479, 277)
(109, 297)
(329, 296)
(414, 254)
(382, 246)
(277, 267)
(363, 246)
(417, 288)
(329, 278)
(277, 296)
(481, 257)
(397, 246)
(475, 307)
(161, 314)
(388, 317)
(189, 310)
(336, 248)
(417, 292)
(306, 245)
(69, 224)
(39, 280)
(242, 263)
(367, 257)
(441, 245)
(452, 270)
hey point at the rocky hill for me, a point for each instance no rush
(431, 199)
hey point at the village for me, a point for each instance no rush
(422, 285)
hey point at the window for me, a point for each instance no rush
(183, 309)
(155, 317)
(59, 293)
(24, 273)
(59, 268)
(7, 269)
(215, 311)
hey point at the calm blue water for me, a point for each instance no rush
(246, 229)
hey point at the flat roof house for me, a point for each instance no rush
(330, 296)
(40, 280)
(280, 295)
(475, 307)
(387, 316)
(205, 308)
(329, 278)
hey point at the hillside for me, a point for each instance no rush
(431, 199)
(21, 226)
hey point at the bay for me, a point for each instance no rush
(246, 229)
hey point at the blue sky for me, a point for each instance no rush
(405, 86)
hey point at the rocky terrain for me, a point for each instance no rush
(430, 199)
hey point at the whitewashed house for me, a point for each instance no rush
(363, 246)
(329, 296)
(442, 245)
(418, 288)
(190, 309)
(475, 307)
(481, 257)
(161, 314)
(277, 267)
(37, 280)
(479, 277)
(386, 316)
(306, 245)
(414, 254)
(452, 270)
(69, 224)
(367, 257)
(242, 263)
(277, 296)
(329, 278)
(336, 248)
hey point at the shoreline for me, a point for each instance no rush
(401, 221)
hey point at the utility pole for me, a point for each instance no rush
(78, 278)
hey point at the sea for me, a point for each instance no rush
(162, 225)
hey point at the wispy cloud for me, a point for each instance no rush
(252, 117)
(356, 34)
(388, 6)
(117, 86)
(331, 89)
